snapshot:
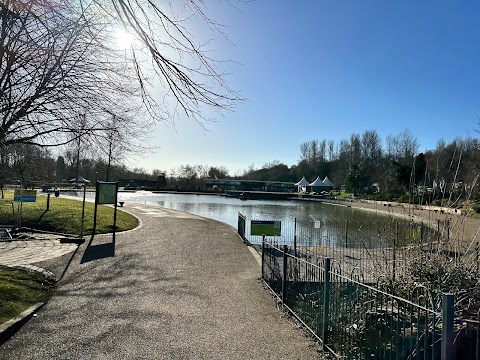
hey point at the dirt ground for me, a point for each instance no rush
(462, 226)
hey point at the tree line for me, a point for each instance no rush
(361, 164)
(364, 163)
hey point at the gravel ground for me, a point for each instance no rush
(462, 227)
(179, 287)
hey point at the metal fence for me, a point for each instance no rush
(377, 248)
(355, 320)
(241, 226)
(336, 277)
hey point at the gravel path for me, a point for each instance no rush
(179, 287)
(462, 227)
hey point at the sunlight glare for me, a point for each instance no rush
(124, 39)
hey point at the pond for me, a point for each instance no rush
(226, 209)
(296, 216)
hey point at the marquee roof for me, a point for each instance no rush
(302, 182)
(318, 182)
(327, 181)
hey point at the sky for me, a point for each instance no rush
(323, 69)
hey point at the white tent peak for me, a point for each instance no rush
(327, 181)
(302, 182)
(317, 182)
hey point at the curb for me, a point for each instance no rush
(10, 327)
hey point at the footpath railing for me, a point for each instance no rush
(377, 248)
(355, 320)
(337, 278)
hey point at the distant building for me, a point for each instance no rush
(250, 185)
(140, 184)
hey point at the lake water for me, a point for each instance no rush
(226, 209)
(308, 220)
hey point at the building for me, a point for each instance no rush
(141, 184)
(250, 185)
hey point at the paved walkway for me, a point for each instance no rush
(180, 287)
(23, 252)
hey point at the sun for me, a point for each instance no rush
(124, 39)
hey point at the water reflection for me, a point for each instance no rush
(226, 209)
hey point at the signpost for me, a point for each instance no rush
(105, 193)
(265, 227)
(22, 196)
(25, 196)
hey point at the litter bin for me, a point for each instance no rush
(57, 192)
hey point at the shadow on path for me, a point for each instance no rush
(100, 251)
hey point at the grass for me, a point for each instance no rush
(344, 196)
(19, 290)
(64, 215)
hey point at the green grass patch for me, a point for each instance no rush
(344, 196)
(64, 215)
(19, 290)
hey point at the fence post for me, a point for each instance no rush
(284, 275)
(448, 229)
(48, 201)
(263, 257)
(295, 238)
(477, 249)
(241, 225)
(447, 347)
(438, 230)
(395, 242)
(346, 233)
(326, 302)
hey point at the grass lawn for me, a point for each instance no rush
(19, 290)
(64, 215)
(344, 196)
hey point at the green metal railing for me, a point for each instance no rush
(357, 320)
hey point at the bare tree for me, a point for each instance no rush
(371, 147)
(332, 155)
(160, 25)
(355, 149)
(54, 66)
(58, 60)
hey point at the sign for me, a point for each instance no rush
(25, 196)
(267, 228)
(106, 192)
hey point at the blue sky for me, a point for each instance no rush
(327, 69)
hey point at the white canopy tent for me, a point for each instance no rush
(317, 185)
(302, 185)
(327, 182)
